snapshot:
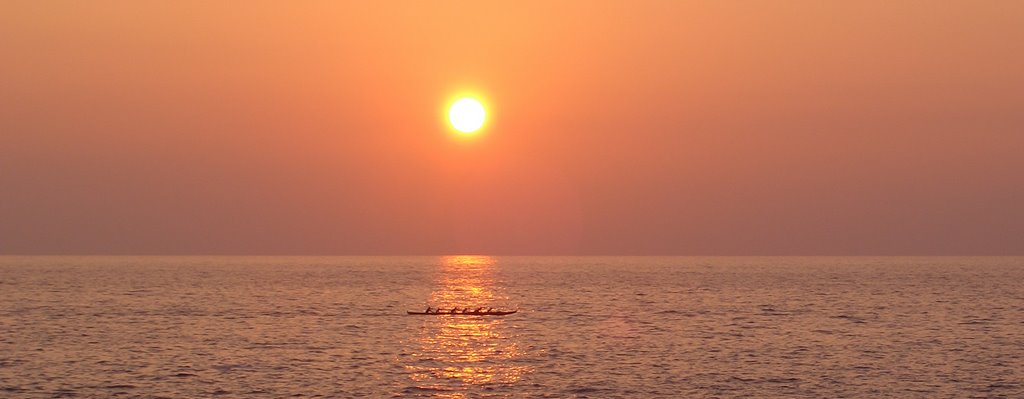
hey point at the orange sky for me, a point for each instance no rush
(690, 128)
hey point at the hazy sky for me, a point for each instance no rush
(674, 127)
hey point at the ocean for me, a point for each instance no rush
(587, 327)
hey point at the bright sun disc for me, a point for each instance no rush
(467, 115)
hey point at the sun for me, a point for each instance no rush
(467, 115)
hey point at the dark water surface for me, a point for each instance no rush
(598, 327)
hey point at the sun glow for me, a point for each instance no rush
(467, 115)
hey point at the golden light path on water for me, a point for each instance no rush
(461, 353)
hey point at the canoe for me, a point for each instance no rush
(491, 313)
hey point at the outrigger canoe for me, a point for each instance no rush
(485, 313)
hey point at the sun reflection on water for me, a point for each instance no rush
(456, 354)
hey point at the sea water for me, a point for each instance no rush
(587, 327)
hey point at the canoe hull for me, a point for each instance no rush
(463, 314)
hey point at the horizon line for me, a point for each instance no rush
(509, 255)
